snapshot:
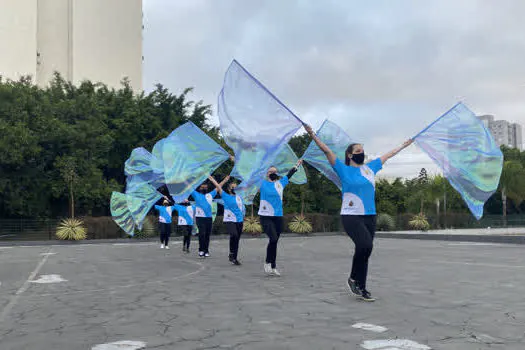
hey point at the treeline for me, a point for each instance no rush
(65, 137)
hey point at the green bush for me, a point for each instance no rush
(102, 227)
(385, 222)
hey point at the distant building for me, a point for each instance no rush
(504, 133)
(97, 40)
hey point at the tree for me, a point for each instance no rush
(512, 185)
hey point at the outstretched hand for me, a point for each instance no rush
(299, 162)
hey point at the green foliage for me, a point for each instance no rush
(419, 222)
(71, 229)
(63, 148)
(252, 225)
(385, 222)
(65, 137)
(300, 224)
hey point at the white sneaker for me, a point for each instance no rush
(276, 272)
(201, 254)
(268, 269)
(207, 255)
(162, 246)
(166, 247)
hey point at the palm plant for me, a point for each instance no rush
(71, 229)
(252, 225)
(419, 222)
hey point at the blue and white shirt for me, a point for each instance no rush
(164, 213)
(233, 208)
(271, 203)
(203, 203)
(359, 187)
(186, 214)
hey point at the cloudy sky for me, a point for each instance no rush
(380, 69)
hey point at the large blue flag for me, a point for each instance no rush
(189, 156)
(337, 140)
(255, 124)
(460, 144)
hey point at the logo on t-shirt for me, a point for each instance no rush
(351, 204)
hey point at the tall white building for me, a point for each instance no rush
(504, 133)
(97, 40)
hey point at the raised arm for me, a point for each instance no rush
(294, 169)
(395, 151)
(217, 185)
(223, 182)
(327, 151)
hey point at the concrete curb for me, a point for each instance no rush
(510, 239)
(485, 238)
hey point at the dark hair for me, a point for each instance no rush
(228, 184)
(349, 150)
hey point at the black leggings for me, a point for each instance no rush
(205, 226)
(361, 229)
(235, 232)
(273, 227)
(165, 233)
(186, 232)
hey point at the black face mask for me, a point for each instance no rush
(202, 190)
(358, 158)
(273, 176)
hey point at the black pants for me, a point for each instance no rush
(235, 232)
(186, 232)
(205, 226)
(165, 233)
(361, 229)
(273, 227)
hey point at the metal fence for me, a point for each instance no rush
(27, 229)
(105, 228)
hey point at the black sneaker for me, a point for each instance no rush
(230, 258)
(366, 296)
(354, 288)
(236, 262)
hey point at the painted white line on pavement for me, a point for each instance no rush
(121, 345)
(44, 254)
(370, 327)
(45, 279)
(401, 344)
(23, 288)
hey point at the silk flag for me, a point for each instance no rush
(255, 124)
(337, 140)
(460, 144)
(129, 210)
(189, 156)
(139, 171)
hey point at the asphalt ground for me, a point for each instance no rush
(431, 294)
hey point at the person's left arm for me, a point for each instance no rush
(395, 151)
